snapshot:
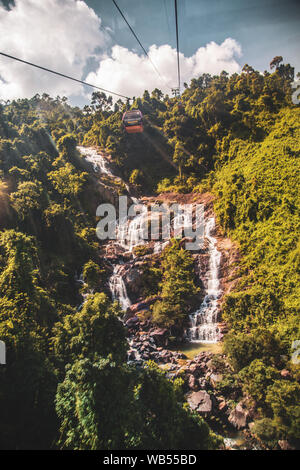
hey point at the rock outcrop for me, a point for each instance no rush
(239, 416)
(200, 401)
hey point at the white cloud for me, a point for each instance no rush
(63, 34)
(128, 73)
(57, 34)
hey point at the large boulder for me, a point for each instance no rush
(160, 336)
(132, 321)
(192, 383)
(134, 308)
(164, 356)
(200, 401)
(240, 416)
(195, 369)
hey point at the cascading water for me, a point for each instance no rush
(98, 161)
(204, 327)
(118, 288)
(130, 233)
(203, 322)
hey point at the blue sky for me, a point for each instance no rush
(264, 28)
(90, 40)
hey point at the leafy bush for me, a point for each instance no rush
(178, 289)
(256, 378)
(243, 348)
(266, 430)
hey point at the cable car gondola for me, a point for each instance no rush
(133, 121)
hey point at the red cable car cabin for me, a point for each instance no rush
(133, 121)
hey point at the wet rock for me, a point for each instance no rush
(132, 311)
(179, 355)
(160, 336)
(140, 306)
(145, 325)
(135, 307)
(200, 401)
(132, 322)
(165, 355)
(239, 417)
(195, 369)
(192, 383)
(203, 357)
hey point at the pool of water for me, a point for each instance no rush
(192, 349)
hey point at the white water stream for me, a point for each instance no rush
(130, 232)
(204, 327)
(118, 288)
(98, 161)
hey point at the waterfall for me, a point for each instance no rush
(98, 161)
(118, 288)
(130, 233)
(204, 321)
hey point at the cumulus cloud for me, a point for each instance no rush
(64, 35)
(57, 34)
(129, 73)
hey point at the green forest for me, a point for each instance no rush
(66, 381)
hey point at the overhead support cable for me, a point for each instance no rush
(141, 45)
(64, 76)
(177, 44)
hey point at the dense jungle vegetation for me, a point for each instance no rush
(66, 383)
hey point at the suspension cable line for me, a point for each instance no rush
(177, 44)
(141, 45)
(63, 75)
